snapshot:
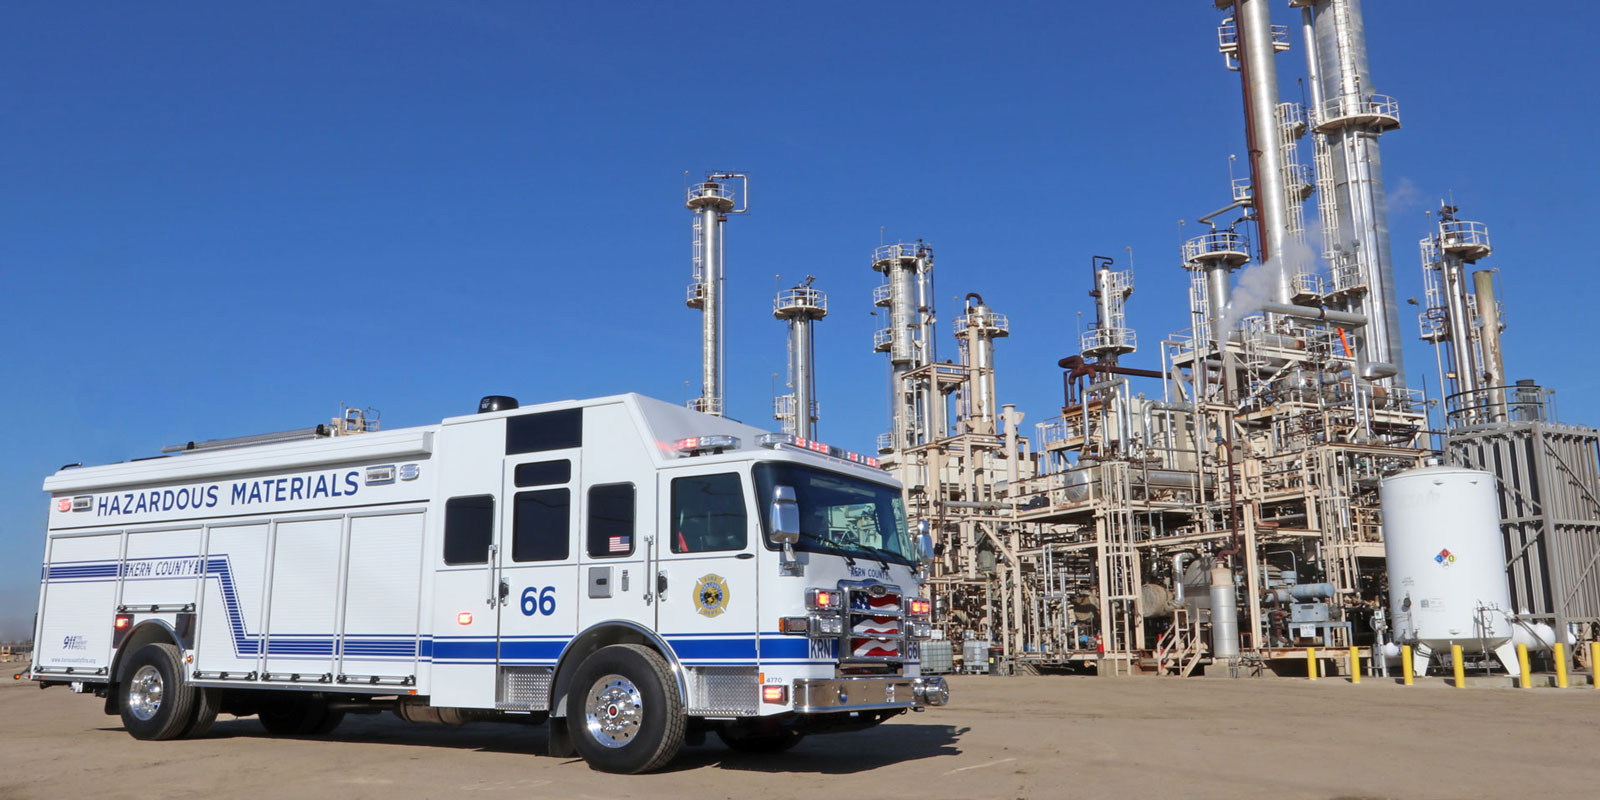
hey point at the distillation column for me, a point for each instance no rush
(1349, 118)
(907, 296)
(711, 201)
(1454, 315)
(1110, 338)
(799, 307)
(976, 331)
(1256, 48)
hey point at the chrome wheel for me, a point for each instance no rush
(613, 711)
(145, 692)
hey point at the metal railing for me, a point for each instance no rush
(1228, 37)
(1242, 189)
(991, 323)
(1461, 235)
(1380, 109)
(695, 296)
(882, 337)
(901, 250)
(1309, 283)
(1523, 402)
(800, 297)
(1216, 245)
(1299, 178)
(882, 294)
(1096, 340)
(705, 405)
(1346, 271)
(710, 189)
(1291, 118)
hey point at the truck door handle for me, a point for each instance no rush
(505, 590)
(489, 561)
(661, 585)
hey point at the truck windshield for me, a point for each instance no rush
(838, 513)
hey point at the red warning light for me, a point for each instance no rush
(64, 504)
(464, 618)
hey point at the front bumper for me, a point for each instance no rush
(868, 693)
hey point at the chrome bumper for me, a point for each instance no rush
(865, 694)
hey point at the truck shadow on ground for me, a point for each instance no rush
(831, 754)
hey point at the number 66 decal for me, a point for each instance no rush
(538, 600)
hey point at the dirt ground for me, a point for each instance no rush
(1000, 737)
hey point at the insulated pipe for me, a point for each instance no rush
(1343, 319)
(1179, 561)
(1494, 367)
(1219, 293)
(711, 319)
(1303, 592)
(1455, 290)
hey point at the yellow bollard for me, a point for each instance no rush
(1561, 665)
(1405, 664)
(1522, 662)
(1311, 663)
(1461, 669)
(1355, 665)
(1594, 664)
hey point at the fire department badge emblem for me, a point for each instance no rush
(711, 595)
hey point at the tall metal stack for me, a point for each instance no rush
(711, 200)
(906, 296)
(799, 307)
(1348, 117)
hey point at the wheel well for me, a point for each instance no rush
(601, 635)
(147, 632)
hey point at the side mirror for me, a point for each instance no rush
(924, 543)
(783, 518)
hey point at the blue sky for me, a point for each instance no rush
(218, 220)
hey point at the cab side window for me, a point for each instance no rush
(468, 529)
(708, 514)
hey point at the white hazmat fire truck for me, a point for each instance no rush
(633, 572)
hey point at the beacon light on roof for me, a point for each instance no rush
(695, 445)
(784, 439)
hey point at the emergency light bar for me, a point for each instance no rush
(775, 440)
(695, 445)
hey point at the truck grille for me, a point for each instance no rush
(875, 628)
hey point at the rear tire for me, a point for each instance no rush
(207, 703)
(155, 700)
(624, 712)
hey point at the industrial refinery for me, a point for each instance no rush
(1255, 490)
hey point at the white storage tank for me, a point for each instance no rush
(1447, 578)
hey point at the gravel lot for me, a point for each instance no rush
(1001, 737)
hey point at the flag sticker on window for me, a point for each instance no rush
(619, 544)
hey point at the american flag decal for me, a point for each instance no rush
(619, 544)
(875, 625)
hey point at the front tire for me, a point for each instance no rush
(623, 710)
(155, 700)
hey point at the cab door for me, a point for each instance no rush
(537, 562)
(705, 558)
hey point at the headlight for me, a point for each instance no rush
(824, 599)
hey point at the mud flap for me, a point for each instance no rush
(560, 744)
